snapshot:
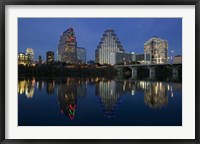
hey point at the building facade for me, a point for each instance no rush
(128, 58)
(50, 57)
(29, 51)
(178, 59)
(67, 47)
(121, 58)
(24, 59)
(158, 49)
(109, 43)
(81, 55)
(143, 58)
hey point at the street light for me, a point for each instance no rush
(168, 59)
(172, 56)
(124, 61)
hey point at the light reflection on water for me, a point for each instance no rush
(103, 101)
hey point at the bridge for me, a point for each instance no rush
(151, 68)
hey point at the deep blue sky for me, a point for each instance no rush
(43, 34)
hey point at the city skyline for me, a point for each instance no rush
(43, 34)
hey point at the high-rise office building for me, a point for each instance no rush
(158, 49)
(108, 44)
(67, 47)
(81, 54)
(50, 57)
(31, 53)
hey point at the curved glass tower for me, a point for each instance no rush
(67, 47)
(108, 44)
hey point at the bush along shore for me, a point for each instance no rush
(86, 71)
(69, 71)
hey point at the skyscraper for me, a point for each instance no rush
(31, 53)
(109, 43)
(158, 49)
(81, 54)
(50, 57)
(67, 47)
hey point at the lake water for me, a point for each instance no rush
(98, 102)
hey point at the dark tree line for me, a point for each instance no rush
(63, 71)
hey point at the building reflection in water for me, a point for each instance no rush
(68, 92)
(128, 87)
(155, 94)
(26, 86)
(110, 95)
(175, 87)
(109, 92)
(50, 86)
(81, 88)
(40, 84)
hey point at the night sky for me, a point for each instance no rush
(43, 34)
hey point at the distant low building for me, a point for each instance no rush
(24, 59)
(178, 59)
(143, 58)
(50, 57)
(40, 59)
(121, 58)
(128, 58)
(91, 62)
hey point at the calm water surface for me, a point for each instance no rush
(98, 102)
